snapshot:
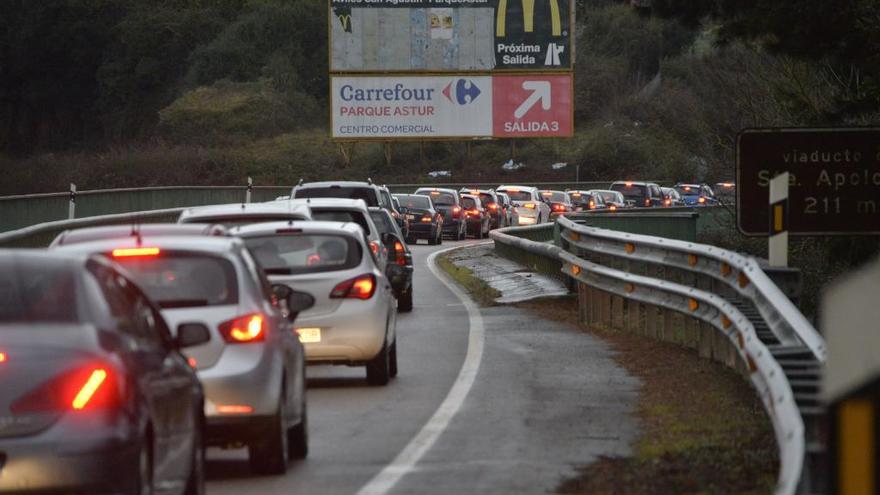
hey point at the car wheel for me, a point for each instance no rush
(298, 437)
(379, 368)
(144, 485)
(393, 359)
(405, 302)
(269, 454)
(432, 241)
(195, 485)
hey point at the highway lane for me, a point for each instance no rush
(546, 399)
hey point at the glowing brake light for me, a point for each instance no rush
(575, 195)
(629, 184)
(244, 329)
(613, 207)
(78, 389)
(85, 394)
(456, 210)
(701, 200)
(592, 204)
(138, 252)
(559, 207)
(374, 247)
(426, 219)
(3, 357)
(493, 206)
(667, 202)
(647, 201)
(362, 287)
(234, 409)
(530, 206)
(474, 191)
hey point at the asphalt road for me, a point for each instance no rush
(536, 399)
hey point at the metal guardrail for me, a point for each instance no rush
(712, 285)
(41, 235)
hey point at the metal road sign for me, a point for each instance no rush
(834, 185)
(450, 35)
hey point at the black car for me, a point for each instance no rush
(94, 392)
(400, 265)
(426, 222)
(399, 217)
(447, 202)
(586, 200)
(491, 204)
(639, 194)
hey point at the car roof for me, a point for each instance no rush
(307, 226)
(530, 188)
(603, 191)
(484, 191)
(204, 244)
(116, 231)
(634, 182)
(688, 184)
(438, 189)
(243, 210)
(339, 183)
(28, 254)
(322, 203)
(552, 191)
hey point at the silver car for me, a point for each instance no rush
(244, 213)
(253, 367)
(530, 207)
(354, 319)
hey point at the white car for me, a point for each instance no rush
(253, 367)
(528, 204)
(354, 319)
(232, 214)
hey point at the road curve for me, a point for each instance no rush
(545, 400)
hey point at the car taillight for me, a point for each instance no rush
(3, 357)
(426, 219)
(559, 207)
(455, 211)
(493, 207)
(362, 287)
(400, 253)
(647, 201)
(530, 206)
(374, 247)
(612, 208)
(701, 200)
(473, 212)
(138, 252)
(667, 202)
(244, 329)
(81, 389)
(592, 205)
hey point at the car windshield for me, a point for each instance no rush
(630, 191)
(486, 198)
(184, 280)
(440, 198)
(519, 195)
(304, 253)
(414, 201)
(344, 216)
(34, 291)
(368, 194)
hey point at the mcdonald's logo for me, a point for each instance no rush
(344, 16)
(528, 13)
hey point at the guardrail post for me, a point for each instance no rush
(250, 187)
(71, 208)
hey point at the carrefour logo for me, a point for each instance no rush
(461, 91)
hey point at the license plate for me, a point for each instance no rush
(309, 335)
(411, 217)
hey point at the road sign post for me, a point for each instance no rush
(71, 207)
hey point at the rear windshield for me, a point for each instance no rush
(468, 203)
(688, 190)
(304, 253)
(342, 216)
(609, 197)
(184, 280)
(382, 221)
(630, 192)
(232, 221)
(41, 290)
(368, 194)
(579, 198)
(519, 195)
(486, 198)
(440, 198)
(556, 196)
(414, 201)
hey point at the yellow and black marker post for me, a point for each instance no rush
(778, 242)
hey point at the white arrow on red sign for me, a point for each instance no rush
(540, 92)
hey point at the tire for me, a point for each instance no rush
(432, 241)
(379, 368)
(144, 481)
(393, 360)
(298, 437)
(411, 240)
(405, 302)
(269, 454)
(195, 485)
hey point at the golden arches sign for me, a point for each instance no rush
(528, 12)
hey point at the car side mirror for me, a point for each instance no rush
(192, 334)
(297, 302)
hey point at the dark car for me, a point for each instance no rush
(401, 219)
(507, 210)
(639, 194)
(426, 222)
(400, 264)
(447, 202)
(671, 198)
(94, 392)
(559, 202)
(491, 204)
(586, 200)
(696, 194)
(476, 215)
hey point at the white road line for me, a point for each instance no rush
(407, 459)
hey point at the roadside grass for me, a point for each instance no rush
(703, 428)
(482, 292)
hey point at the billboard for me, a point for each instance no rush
(454, 106)
(834, 179)
(450, 35)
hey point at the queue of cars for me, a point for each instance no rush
(129, 349)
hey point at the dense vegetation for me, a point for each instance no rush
(109, 92)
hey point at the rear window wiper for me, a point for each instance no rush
(183, 303)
